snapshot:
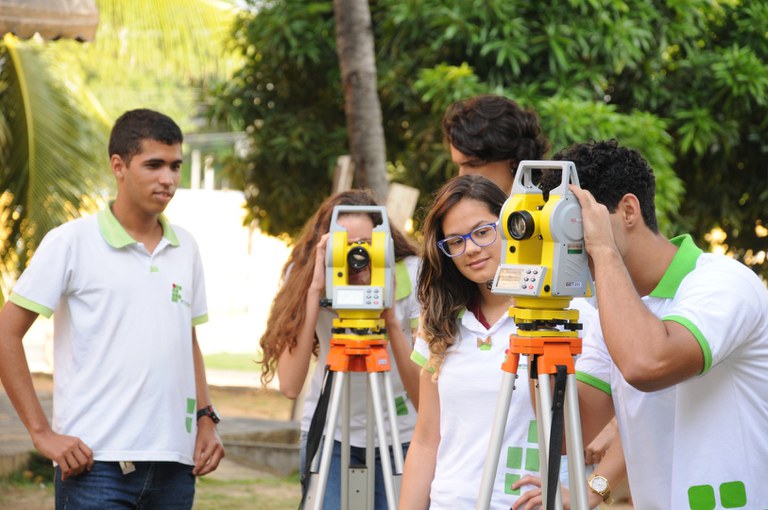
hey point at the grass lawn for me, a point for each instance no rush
(233, 361)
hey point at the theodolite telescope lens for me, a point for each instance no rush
(521, 225)
(358, 259)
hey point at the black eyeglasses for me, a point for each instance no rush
(482, 236)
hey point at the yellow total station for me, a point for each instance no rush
(544, 261)
(359, 306)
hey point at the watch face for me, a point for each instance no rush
(599, 484)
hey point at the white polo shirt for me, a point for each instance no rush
(468, 386)
(703, 443)
(123, 369)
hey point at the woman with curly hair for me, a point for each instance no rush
(298, 328)
(463, 334)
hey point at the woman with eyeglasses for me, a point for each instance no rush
(464, 332)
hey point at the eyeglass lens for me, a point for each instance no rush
(481, 236)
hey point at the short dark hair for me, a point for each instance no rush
(142, 124)
(609, 172)
(494, 128)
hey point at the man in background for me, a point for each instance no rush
(489, 135)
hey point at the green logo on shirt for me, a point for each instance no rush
(519, 458)
(191, 414)
(176, 295)
(732, 495)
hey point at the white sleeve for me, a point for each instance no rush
(48, 276)
(199, 298)
(593, 365)
(720, 303)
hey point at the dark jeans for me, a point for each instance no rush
(154, 485)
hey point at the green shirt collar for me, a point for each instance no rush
(116, 236)
(683, 263)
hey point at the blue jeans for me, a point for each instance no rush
(332, 499)
(154, 485)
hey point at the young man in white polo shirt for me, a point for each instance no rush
(681, 354)
(133, 424)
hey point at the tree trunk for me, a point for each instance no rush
(354, 45)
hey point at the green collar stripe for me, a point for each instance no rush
(116, 236)
(196, 321)
(403, 279)
(30, 305)
(593, 381)
(168, 232)
(690, 326)
(112, 231)
(683, 263)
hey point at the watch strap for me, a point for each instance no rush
(210, 412)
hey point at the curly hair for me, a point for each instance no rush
(289, 306)
(494, 128)
(609, 172)
(443, 290)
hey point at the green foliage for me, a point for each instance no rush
(684, 81)
(154, 54)
(48, 166)
(295, 119)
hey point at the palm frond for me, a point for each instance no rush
(48, 150)
(183, 37)
(157, 54)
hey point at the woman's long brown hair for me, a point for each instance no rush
(288, 310)
(443, 290)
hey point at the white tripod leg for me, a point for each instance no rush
(386, 466)
(397, 453)
(578, 487)
(497, 437)
(370, 449)
(397, 446)
(544, 408)
(330, 427)
(345, 444)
